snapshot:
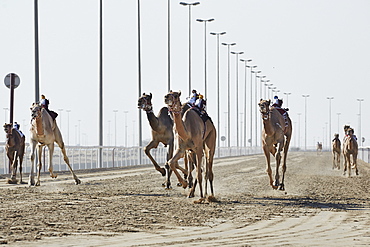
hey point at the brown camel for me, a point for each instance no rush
(350, 147)
(15, 146)
(319, 148)
(195, 135)
(162, 132)
(336, 151)
(44, 131)
(276, 135)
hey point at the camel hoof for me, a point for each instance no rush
(77, 181)
(211, 198)
(179, 184)
(37, 183)
(274, 187)
(53, 175)
(185, 184)
(162, 171)
(282, 187)
(199, 201)
(168, 188)
(12, 181)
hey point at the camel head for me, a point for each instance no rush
(7, 128)
(35, 110)
(172, 99)
(145, 102)
(264, 106)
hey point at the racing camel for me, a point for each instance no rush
(336, 151)
(196, 135)
(276, 135)
(15, 146)
(44, 132)
(162, 132)
(319, 148)
(350, 147)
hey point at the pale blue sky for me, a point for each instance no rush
(311, 47)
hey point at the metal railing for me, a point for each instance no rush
(87, 157)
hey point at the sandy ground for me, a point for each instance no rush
(128, 207)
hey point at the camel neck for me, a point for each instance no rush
(39, 128)
(179, 126)
(269, 129)
(153, 120)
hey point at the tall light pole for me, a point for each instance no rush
(205, 21)
(218, 86)
(338, 121)
(328, 138)
(68, 111)
(261, 77)
(287, 98)
(189, 5)
(255, 103)
(115, 127)
(101, 83)
(245, 98)
(60, 118)
(251, 103)
(36, 34)
(228, 90)
(299, 129)
(125, 112)
(237, 94)
(265, 83)
(359, 122)
(168, 45)
(305, 96)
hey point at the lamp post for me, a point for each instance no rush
(287, 98)
(5, 111)
(228, 90)
(245, 98)
(251, 103)
(125, 112)
(338, 120)
(271, 88)
(205, 21)
(115, 127)
(237, 94)
(189, 5)
(218, 86)
(168, 45)
(60, 118)
(261, 77)
(359, 122)
(329, 98)
(265, 83)
(255, 103)
(68, 111)
(299, 129)
(305, 96)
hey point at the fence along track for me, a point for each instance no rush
(86, 157)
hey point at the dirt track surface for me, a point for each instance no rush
(128, 207)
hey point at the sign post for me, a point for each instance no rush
(11, 81)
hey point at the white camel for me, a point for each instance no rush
(44, 131)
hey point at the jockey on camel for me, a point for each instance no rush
(283, 111)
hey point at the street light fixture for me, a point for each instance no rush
(359, 123)
(305, 96)
(245, 98)
(251, 103)
(264, 83)
(189, 5)
(287, 98)
(218, 86)
(256, 102)
(205, 52)
(228, 90)
(237, 94)
(329, 98)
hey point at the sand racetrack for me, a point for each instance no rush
(128, 207)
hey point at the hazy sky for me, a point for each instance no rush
(315, 47)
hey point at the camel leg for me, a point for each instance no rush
(12, 159)
(199, 175)
(354, 156)
(285, 156)
(266, 150)
(154, 144)
(168, 170)
(20, 167)
(334, 160)
(173, 162)
(39, 165)
(338, 162)
(51, 168)
(278, 161)
(31, 180)
(66, 160)
(210, 147)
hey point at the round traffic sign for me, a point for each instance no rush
(17, 81)
(223, 138)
